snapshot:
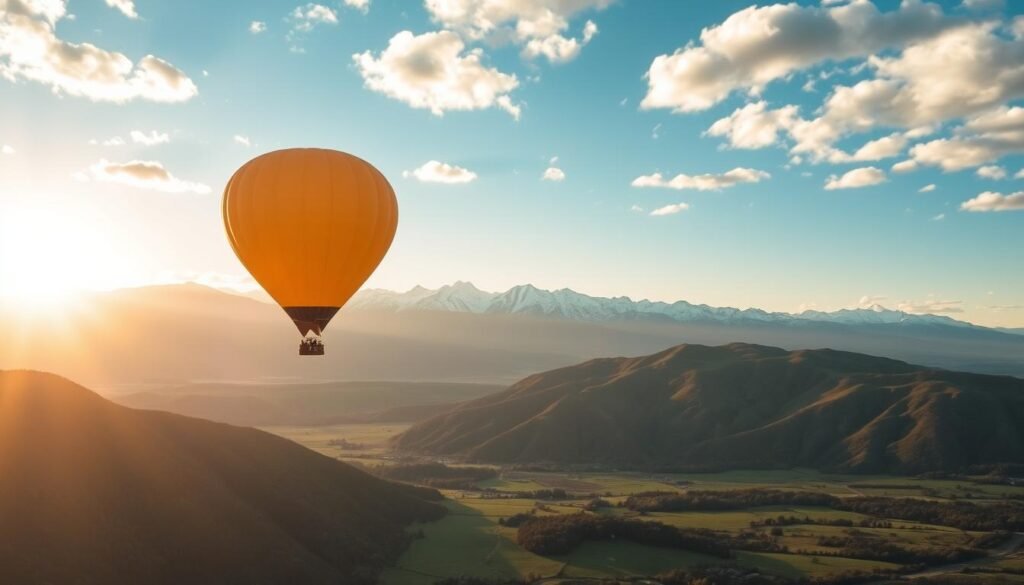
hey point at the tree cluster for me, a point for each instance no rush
(560, 534)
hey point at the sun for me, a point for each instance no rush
(46, 256)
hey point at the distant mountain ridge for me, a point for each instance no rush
(739, 406)
(464, 297)
(136, 339)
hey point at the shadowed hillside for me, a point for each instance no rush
(740, 406)
(93, 492)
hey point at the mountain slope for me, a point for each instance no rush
(93, 492)
(740, 406)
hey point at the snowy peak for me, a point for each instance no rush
(527, 299)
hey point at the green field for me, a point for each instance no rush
(469, 541)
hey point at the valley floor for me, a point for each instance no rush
(472, 539)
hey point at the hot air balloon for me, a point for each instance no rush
(310, 225)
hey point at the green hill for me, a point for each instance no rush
(740, 406)
(94, 492)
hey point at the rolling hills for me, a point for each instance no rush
(94, 492)
(739, 406)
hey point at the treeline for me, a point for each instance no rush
(962, 515)
(861, 546)
(560, 534)
(783, 520)
(437, 475)
(957, 514)
(695, 500)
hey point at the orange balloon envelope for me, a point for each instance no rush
(310, 225)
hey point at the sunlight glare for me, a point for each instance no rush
(46, 256)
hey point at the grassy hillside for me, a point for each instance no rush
(740, 406)
(94, 492)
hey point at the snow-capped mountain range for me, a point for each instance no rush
(527, 299)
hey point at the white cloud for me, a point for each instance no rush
(1019, 175)
(993, 172)
(670, 209)
(127, 7)
(360, 5)
(439, 172)
(553, 174)
(559, 49)
(705, 182)
(758, 45)
(431, 71)
(927, 188)
(754, 125)
(143, 175)
(636, 209)
(305, 18)
(905, 166)
(885, 147)
(982, 70)
(30, 50)
(7, 149)
(855, 179)
(149, 139)
(257, 26)
(243, 140)
(939, 217)
(991, 201)
(538, 25)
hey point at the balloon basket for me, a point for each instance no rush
(311, 349)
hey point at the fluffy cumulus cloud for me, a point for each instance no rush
(433, 71)
(141, 174)
(127, 7)
(360, 5)
(539, 26)
(927, 188)
(705, 182)
(983, 138)
(898, 85)
(761, 44)
(993, 172)
(31, 51)
(754, 125)
(257, 26)
(855, 179)
(243, 140)
(991, 201)
(670, 209)
(439, 172)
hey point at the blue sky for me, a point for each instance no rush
(770, 235)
